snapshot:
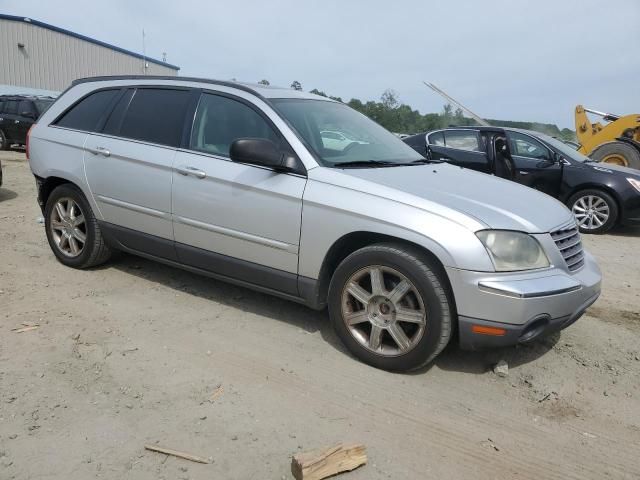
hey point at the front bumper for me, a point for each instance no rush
(500, 309)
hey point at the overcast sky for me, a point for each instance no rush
(508, 59)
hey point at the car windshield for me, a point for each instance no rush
(42, 105)
(320, 124)
(564, 149)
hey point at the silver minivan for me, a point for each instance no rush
(236, 182)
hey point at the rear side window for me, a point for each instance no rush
(462, 140)
(26, 106)
(156, 115)
(221, 120)
(86, 114)
(10, 107)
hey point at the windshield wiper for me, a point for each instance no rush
(367, 163)
(426, 160)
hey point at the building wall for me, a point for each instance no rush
(51, 60)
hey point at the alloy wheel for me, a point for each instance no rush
(68, 228)
(383, 310)
(591, 212)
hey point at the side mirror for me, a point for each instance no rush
(262, 152)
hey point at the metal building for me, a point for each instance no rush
(38, 55)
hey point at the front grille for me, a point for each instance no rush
(568, 242)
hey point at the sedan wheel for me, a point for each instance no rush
(68, 227)
(595, 210)
(591, 212)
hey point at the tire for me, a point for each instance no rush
(425, 301)
(4, 144)
(617, 153)
(579, 204)
(94, 250)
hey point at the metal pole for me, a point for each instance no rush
(455, 102)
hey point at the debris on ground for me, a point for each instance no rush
(176, 453)
(489, 443)
(501, 368)
(23, 329)
(216, 393)
(326, 462)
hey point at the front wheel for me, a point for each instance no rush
(595, 210)
(72, 229)
(389, 306)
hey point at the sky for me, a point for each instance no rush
(530, 60)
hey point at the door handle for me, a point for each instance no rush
(99, 151)
(522, 172)
(189, 170)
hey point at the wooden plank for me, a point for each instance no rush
(323, 463)
(176, 453)
(25, 329)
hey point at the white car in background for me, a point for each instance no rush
(337, 140)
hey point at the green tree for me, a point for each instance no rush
(296, 85)
(264, 82)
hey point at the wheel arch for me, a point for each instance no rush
(349, 243)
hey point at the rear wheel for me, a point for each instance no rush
(72, 229)
(595, 210)
(617, 153)
(389, 306)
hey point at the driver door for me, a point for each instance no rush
(535, 165)
(241, 221)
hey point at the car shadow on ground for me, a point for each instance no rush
(7, 194)
(311, 321)
(625, 231)
(241, 298)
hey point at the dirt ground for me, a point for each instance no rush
(131, 353)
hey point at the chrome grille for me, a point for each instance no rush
(568, 242)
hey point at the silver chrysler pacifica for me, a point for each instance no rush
(247, 184)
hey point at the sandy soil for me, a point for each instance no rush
(131, 353)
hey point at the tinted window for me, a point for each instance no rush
(86, 114)
(525, 146)
(112, 125)
(462, 140)
(156, 115)
(221, 120)
(11, 107)
(25, 106)
(437, 139)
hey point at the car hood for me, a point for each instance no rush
(494, 202)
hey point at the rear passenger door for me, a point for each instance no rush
(128, 165)
(241, 221)
(463, 147)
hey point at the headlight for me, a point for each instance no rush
(635, 183)
(511, 251)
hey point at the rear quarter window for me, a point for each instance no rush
(87, 113)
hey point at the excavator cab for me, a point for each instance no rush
(616, 142)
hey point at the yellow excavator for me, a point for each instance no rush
(616, 142)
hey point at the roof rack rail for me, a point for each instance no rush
(224, 83)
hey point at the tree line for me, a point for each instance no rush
(398, 117)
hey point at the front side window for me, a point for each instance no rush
(86, 114)
(156, 115)
(462, 140)
(221, 120)
(11, 107)
(525, 146)
(364, 140)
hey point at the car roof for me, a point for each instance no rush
(26, 97)
(262, 91)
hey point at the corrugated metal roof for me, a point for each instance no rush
(37, 23)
